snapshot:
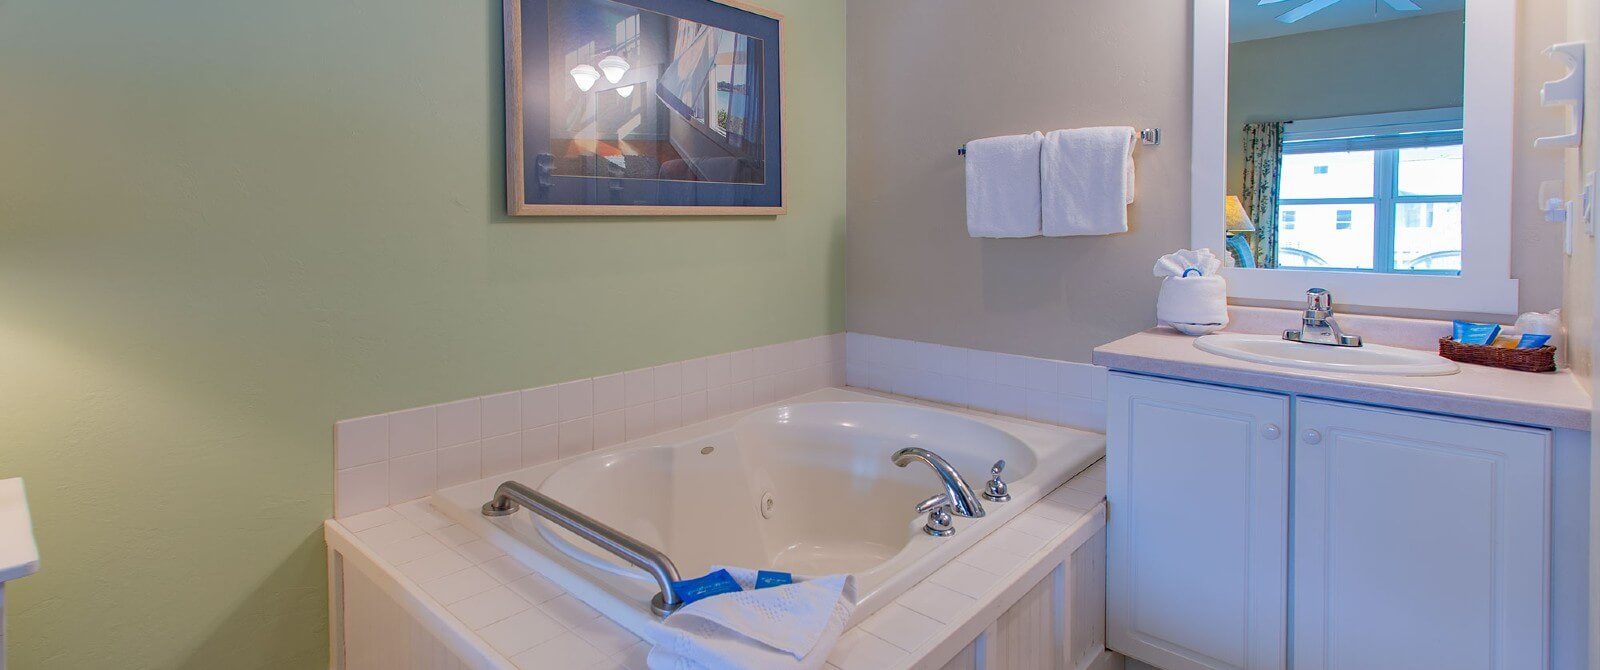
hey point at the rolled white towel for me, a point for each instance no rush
(1194, 299)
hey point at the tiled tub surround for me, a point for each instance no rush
(391, 458)
(1041, 389)
(819, 458)
(444, 597)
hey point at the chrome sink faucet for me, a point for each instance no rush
(957, 498)
(1317, 325)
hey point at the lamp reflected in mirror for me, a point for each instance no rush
(1237, 224)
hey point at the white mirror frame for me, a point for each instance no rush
(1485, 285)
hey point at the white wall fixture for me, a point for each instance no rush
(1556, 209)
(1567, 91)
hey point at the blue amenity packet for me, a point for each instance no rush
(766, 578)
(1533, 341)
(716, 583)
(1467, 332)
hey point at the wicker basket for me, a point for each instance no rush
(1542, 359)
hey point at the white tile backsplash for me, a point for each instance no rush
(399, 456)
(460, 422)
(1041, 389)
(391, 458)
(502, 414)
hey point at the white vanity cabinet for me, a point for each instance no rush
(1198, 503)
(1418, 541)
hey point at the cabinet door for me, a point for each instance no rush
(1197, 492)
(1419, 541)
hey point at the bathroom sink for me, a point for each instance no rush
(1371, 359)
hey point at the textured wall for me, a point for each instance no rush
(928, 75)
(225, 224)
(1578, 304)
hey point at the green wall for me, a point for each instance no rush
(225, 224)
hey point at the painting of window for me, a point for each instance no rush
(643, 107)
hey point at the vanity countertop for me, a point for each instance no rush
(1551, 399)
(19, 556)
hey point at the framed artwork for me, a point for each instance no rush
(643, 107)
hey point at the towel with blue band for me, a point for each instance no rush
(767, 619)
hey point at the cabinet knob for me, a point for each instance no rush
(1271, 431)
(1311, 436)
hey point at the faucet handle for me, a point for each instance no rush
(939, 523)
(997, 490)
(932, 503)
(1319, 299)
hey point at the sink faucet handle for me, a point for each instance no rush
(939, 523)
(997, 490)
(1319, 299)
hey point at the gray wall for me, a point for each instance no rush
(928, 75)
(1394, 66)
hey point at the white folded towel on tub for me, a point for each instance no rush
(1003, 186)
(791, 626)
(1087, 177)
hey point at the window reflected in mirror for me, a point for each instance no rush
(1345, 135)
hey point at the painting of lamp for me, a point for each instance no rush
(585, 75)
(614, 67)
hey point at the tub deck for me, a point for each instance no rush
(481, 608)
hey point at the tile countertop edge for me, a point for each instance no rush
(456, 636)
(19, 553)
(1476, 392)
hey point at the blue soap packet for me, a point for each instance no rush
(1467, 332)
(716, 583)
(1533, 341)
(766, 578)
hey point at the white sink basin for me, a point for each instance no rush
(1371, 359)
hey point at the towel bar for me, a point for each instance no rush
(1148, 136)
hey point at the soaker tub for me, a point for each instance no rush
(804, 486)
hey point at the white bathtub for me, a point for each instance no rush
(805, 486)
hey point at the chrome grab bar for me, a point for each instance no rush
(511, 495)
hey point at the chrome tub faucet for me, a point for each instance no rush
(957, 499)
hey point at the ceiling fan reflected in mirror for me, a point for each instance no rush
(1315, 6)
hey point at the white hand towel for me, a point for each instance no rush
(1003, 186)
(1184, 262)
(791, 626)
(1087, 181)
(1193, 300)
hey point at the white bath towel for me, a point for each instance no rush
(791, 626)
(1193, 300)
(1003, 186)
(1087, 177)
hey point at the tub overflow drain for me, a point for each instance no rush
(766, 505)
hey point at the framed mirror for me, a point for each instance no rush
(1363, 146)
